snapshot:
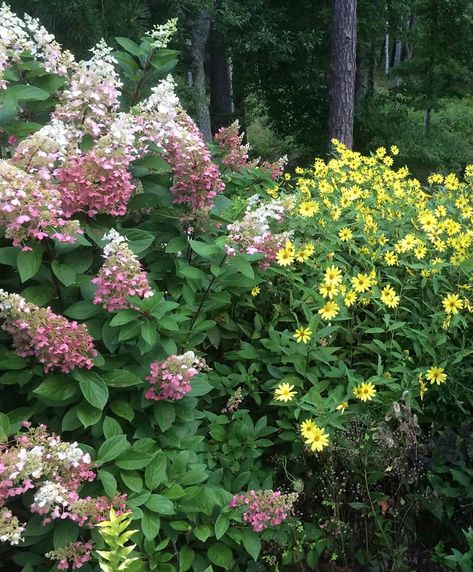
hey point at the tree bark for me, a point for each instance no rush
(200, 34)
(342, 71)
(221, 93)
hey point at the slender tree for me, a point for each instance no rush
(342, 71)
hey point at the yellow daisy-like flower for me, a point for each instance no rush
(255, 291)
(364, 391)
(308, 208)
(301, 255)
(285, 257)
(345, 234)
(436, 375)
(350, 299)
(328, 290)
(394, 150)
(284, 392)
(389, 297)
(307, 426)
(302, 335)
(452, 303)
(361, 283)
(391, 258)
(342, 407)
(333, 275)
(315, 437)
(329, 310)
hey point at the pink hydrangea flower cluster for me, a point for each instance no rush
(230, 141)
(196, 178)
(264, 508)
(276, 168)
(93, 92)
(31, 208)
(75, 554)
(121, 275)
(170, 379)
(39, 332)
(96, 182)
(253, 235)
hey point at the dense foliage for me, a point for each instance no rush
(206, 363)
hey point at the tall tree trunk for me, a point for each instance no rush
(427, 117)
(221, 95)
(342, 71)
(200, 34)
(386, 53)
(397, 59)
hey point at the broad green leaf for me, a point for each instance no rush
(93, 387)
(251, 542)
(121, 378)
(112, 448)
(160, 504)
(82, 310)
(155, 473)
(220, 554)
(29, 262)
(87, 414)
(57, 388)
(132, 459)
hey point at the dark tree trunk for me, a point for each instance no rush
(200, 34)
(342, 71)
(221, 93)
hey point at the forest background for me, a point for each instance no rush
(267, 63)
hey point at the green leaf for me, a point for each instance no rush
(243, 266)
(65, 532)
(139, 239)
(123, 317)
(155, 473)
(111, 427)
(88, 415)
(92, 386)
(112, 448)
(221, 525)
(57, 388)
(27, 92)
(200, 387)
(132, 480)
(203, 532)
(220, 555)
(251, 542)
(130, 46)
(148, 332)
(133, 459)
(4, 427)
(150, 524)
(109, 483)
(82, 310)
(122, 409)
(121, 378)
(158, 503)
(203, 249)
(164, 413)
(39, 295)
(29, 262)
(8, 255)
(64, 273)
(186, 558)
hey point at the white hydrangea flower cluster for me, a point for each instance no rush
(28, 35)
(114, 239)
(162, 34)
(49, 494)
